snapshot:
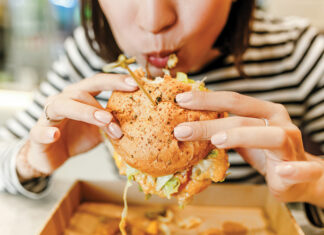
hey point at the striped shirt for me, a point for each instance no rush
(284, 64)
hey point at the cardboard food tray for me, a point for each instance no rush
(249, 205)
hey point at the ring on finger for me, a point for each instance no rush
(266, 122)
(48, 117)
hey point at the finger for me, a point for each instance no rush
(77, 95)
(226, 101)
(71, 109)
(41, 161)
(204, 130)
(299, 171)
(255, 157)
(274, 139)
(104, 82)
(251, 137)
(113, 130)
(63, 107)
(43, 134)
(83, 97)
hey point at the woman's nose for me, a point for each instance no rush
(155, 16)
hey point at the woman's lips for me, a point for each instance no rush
(160, 62)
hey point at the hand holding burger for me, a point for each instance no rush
(264, 135)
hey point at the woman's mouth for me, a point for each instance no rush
(160, 59)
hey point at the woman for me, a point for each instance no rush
(263, 61)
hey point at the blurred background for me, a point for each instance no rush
(31, 36)
(32, 32)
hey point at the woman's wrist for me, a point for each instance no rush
(24, 170)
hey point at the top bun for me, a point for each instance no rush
(148, 143)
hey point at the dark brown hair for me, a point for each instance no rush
(234, 38)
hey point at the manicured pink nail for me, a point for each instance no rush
(184, 97)
(183, 131)
(103, 116)
(285, 170)
(130, 81)
(114, 131)
(52, 133)
(219, 138)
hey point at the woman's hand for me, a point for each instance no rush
(71, 125)
(275, 150)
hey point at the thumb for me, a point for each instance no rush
(299, 171)
(43, 154)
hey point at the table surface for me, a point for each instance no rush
(20, 215)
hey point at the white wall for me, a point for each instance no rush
(311, 9)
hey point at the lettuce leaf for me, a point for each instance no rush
(213, 154)
(197, 85)
(182, 77)
(122, 224)
(171, 187)
(131, 172)
(161, 181)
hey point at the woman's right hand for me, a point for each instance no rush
(75, 117)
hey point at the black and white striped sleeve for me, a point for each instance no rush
(14, 133)
(72, 66)
(313, 120)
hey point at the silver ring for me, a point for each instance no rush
(46, 115)
(266, 122)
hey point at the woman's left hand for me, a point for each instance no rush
(262, 132)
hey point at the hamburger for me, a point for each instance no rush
(148, 152)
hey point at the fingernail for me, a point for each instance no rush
(130, 81)
(219, 138)
(184, 97)
(103, 116)
(114, 131)
(56, 134)
(183, 131)
(52, 133)
(285, 170)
